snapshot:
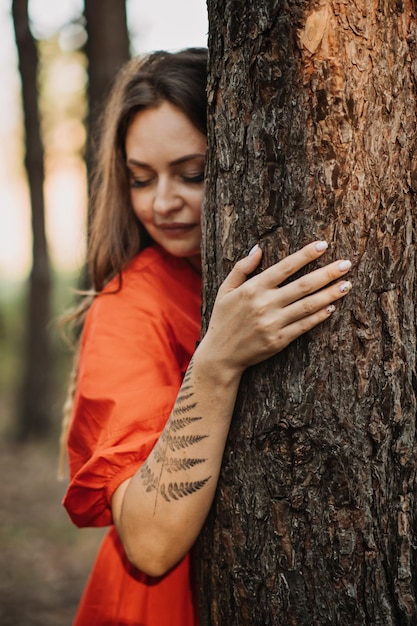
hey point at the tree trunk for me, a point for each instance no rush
(107, 49)
(312, 134)
(35, 399)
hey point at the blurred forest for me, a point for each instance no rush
(45, 559)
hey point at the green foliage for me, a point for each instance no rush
(12, 345)
(11, 340)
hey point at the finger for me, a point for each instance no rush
(310, 283)
(242, 270)
(302, 326)
(316, 304)
(278, 273)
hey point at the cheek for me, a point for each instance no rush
(140, 207)
(198, 202)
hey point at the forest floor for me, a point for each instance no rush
(45, 559)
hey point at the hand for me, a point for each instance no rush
(255, 318)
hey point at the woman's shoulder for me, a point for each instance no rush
(152, 259)
(149, 260)
(151, 277)
(154, 268)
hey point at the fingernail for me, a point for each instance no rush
(344, 265)
(321, 245)
(253, 250)
(331, 308)
(346, 286)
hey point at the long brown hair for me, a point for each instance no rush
(116, 235)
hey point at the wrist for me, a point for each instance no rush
(212, 365)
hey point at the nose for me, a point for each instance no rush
(167, 197)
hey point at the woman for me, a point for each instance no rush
(151, 413)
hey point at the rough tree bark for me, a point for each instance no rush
(312, 134)
(35, 401)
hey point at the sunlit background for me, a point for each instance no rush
(152, 25)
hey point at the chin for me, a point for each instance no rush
(183, 253)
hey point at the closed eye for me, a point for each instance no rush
(136, 183)
(197, 178)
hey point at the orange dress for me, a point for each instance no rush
(136, 346)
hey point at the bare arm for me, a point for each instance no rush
(161, 509)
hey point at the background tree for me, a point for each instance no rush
(312, 117)
(107, 49)
(35, 396)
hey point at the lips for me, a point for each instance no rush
(175, 228)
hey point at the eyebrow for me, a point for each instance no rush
(184, 159)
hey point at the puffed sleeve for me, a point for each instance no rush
(128, 381)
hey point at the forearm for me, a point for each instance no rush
(161, 510)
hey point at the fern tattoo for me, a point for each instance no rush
(172, 441)
(176, 491)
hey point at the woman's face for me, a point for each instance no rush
(165, 157)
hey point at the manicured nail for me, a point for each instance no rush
(346, 286)
(344, 265)
(253, 250)
(321, 245)
(331, 308)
